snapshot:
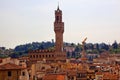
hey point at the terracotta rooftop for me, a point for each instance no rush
(99, 73)
(110, 76)
(9, 66)
(54, 77)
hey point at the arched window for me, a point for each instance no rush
(52, 55)
(39, 56)
(36, 56)
(33, 56)
(57, 18)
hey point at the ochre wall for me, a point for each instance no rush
(14, 75)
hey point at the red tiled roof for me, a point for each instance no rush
(72, 73)
(54, 77)
(9, 66)
(99, 73)
(110, 76)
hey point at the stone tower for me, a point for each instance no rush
(52, 55)
(59, 30)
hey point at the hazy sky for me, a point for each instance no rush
(25, 21)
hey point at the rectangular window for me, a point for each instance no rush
(23, 73)
(9, 73)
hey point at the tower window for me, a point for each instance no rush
(57, 18)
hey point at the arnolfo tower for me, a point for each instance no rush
(52, 55)
(59, 30)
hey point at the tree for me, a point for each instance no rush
(115, 45)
